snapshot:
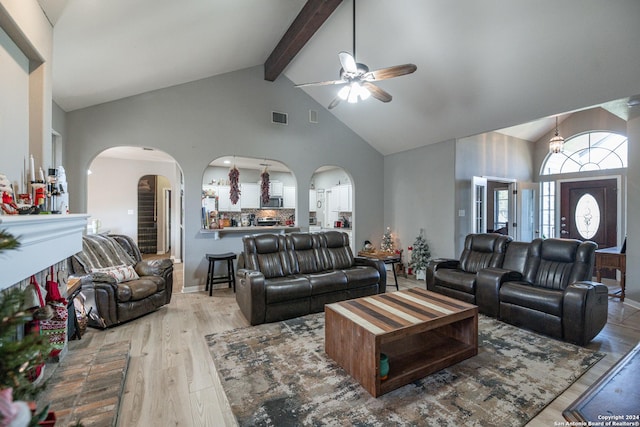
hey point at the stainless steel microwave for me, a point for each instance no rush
(273, 203)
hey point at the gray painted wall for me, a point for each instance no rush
(633, 207)
(491, 154)
(14, 112)
(419, 193)
(223, 115)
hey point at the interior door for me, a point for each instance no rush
(589, 211)
(527, 211)
(478, 205)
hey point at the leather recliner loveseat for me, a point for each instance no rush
(457, 278)
(544, 286)
(118, 285)
(286, 276)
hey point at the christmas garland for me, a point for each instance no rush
(234, 189)
(264, 186)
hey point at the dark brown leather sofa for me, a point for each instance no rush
(544, 286)
(286, 276)
(108, 301)
(457, 278)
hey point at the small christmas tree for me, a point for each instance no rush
(387, 241)
(420, 255)
(19, 355)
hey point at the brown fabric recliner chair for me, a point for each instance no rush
(110, 301)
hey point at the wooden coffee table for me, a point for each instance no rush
(420, 331)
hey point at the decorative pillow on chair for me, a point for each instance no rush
(122, 273)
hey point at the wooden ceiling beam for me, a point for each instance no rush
(313, 14)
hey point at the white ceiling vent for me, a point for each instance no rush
(313, 116)
(279, 118)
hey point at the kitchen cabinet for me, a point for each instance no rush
(276, 188)
(340, 198)
(224, 202)
(313, 201)
(249, 195)
(289, 197)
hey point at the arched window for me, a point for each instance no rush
(588, 152)
(591, 151)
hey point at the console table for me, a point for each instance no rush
(612, 258)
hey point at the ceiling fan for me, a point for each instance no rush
(357, 78)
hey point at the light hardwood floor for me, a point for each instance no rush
(172, 381)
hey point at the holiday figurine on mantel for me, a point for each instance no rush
(387, 241)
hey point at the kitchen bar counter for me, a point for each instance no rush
(272, 229)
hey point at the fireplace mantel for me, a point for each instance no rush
(44, 241)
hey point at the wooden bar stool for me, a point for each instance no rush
(229, 278)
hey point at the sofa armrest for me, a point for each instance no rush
(158, 267)
(101, 293)
(488, 282)
(154, 267)
(251, 295)
(585, 309)
(443, 263)
(378, 265)
(434, 265)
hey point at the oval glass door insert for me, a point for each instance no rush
(587, 216)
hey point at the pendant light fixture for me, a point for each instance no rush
(556, 144)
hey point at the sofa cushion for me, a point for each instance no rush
(361, 275)
(267, 254)
(281, 289)
(328, 281)
(304, 254)
(553, 275)
(153, 267)
(533, 297)
(515, 258)
(482, 251)
(135, 290)
(122, 273)
(456, 279)
(101, 251)
(338, 252)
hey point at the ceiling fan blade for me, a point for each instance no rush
(390, 72)
(335, 102)
(348, 62)
(325, 83)
(377, 93)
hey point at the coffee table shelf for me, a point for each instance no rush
(409, 362)
(420, 331)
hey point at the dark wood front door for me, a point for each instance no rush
(589, 211)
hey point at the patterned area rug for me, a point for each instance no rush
(279, 375)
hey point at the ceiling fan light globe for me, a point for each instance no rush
(353, 95)
(363, 92)
(344, 93)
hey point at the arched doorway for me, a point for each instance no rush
(248, 206)
(154, 214)
(331, 188)
(112, 194)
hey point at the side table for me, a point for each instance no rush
(614, 259)
(387, 258)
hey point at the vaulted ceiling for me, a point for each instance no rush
(482, 66)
